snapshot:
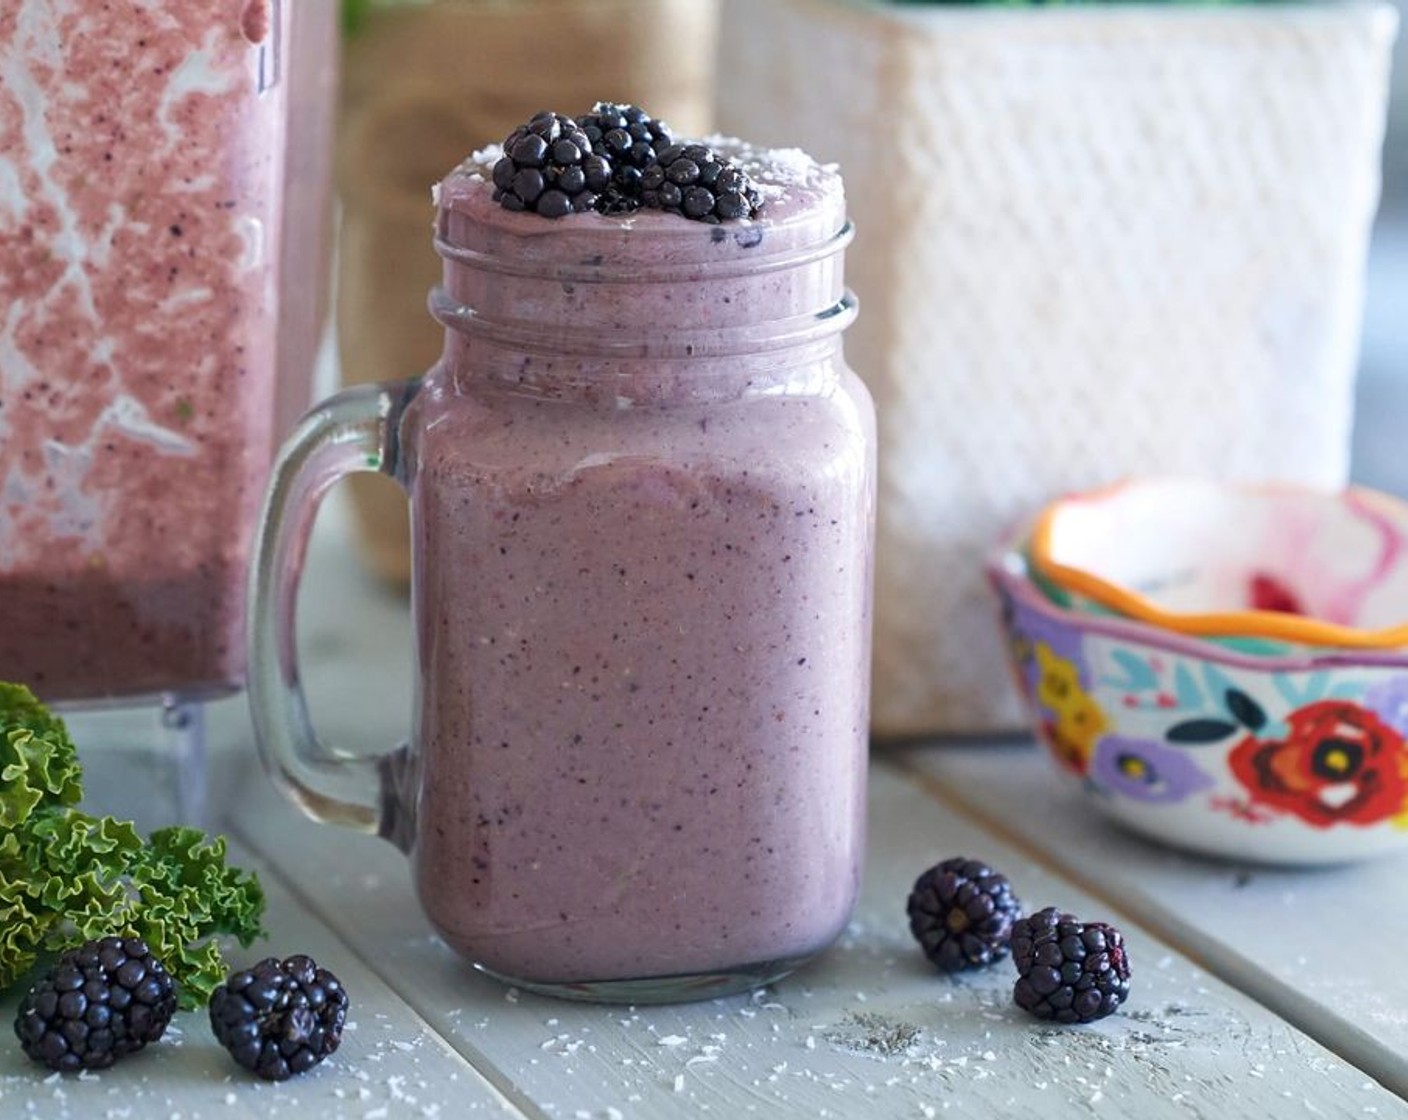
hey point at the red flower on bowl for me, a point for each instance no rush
(1070, 753)
(1338, 764)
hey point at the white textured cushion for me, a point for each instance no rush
(1092, 242)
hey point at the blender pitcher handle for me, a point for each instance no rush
(356, 430)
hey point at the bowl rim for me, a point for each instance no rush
(1277, 625)
(1007, 570)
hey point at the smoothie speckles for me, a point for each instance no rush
(645, 653)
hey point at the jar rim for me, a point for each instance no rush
(599, 270)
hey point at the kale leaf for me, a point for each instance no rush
(67, 876)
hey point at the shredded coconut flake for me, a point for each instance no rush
(775, 171)
(480, 163)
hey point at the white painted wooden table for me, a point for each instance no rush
(1256, 993)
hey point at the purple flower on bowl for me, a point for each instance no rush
(1026, 628)
(1388, 699)
(1146, 770)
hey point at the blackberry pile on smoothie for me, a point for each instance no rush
(142, 184)
(642, 494)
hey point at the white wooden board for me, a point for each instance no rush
(1321, 947)
(869, 1029)
(390, 1064)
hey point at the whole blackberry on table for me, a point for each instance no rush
(279, 1018)
(961, 911)
(1068, 970)
(698, 182)
(99, 1002)
(629, 138)
(548, 167)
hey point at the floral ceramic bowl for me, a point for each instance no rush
(1273, 569)
(1295, 759)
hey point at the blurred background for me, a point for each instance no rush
(680, 87)
(1383, 371)
(1143, 232)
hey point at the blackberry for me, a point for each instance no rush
(279, 1018)
(961, 911)
(698, 182)
(99, 1002)
(629, 139)
(1068, 970)
(548, 167)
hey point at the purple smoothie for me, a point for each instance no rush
(142, 191)
(642, 504)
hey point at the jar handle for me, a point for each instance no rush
(356, 430)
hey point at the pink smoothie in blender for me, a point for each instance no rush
(162, 227)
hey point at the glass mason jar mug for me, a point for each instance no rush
(641, 482)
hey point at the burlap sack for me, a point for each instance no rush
(422, 87)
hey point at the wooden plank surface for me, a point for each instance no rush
(1321, 947)
(869, 1029)
(390, 1064)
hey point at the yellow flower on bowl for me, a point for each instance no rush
(1079, 721)
(1058, 682)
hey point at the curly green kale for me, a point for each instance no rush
(38, 763)
(66, 876)
(354, 15)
